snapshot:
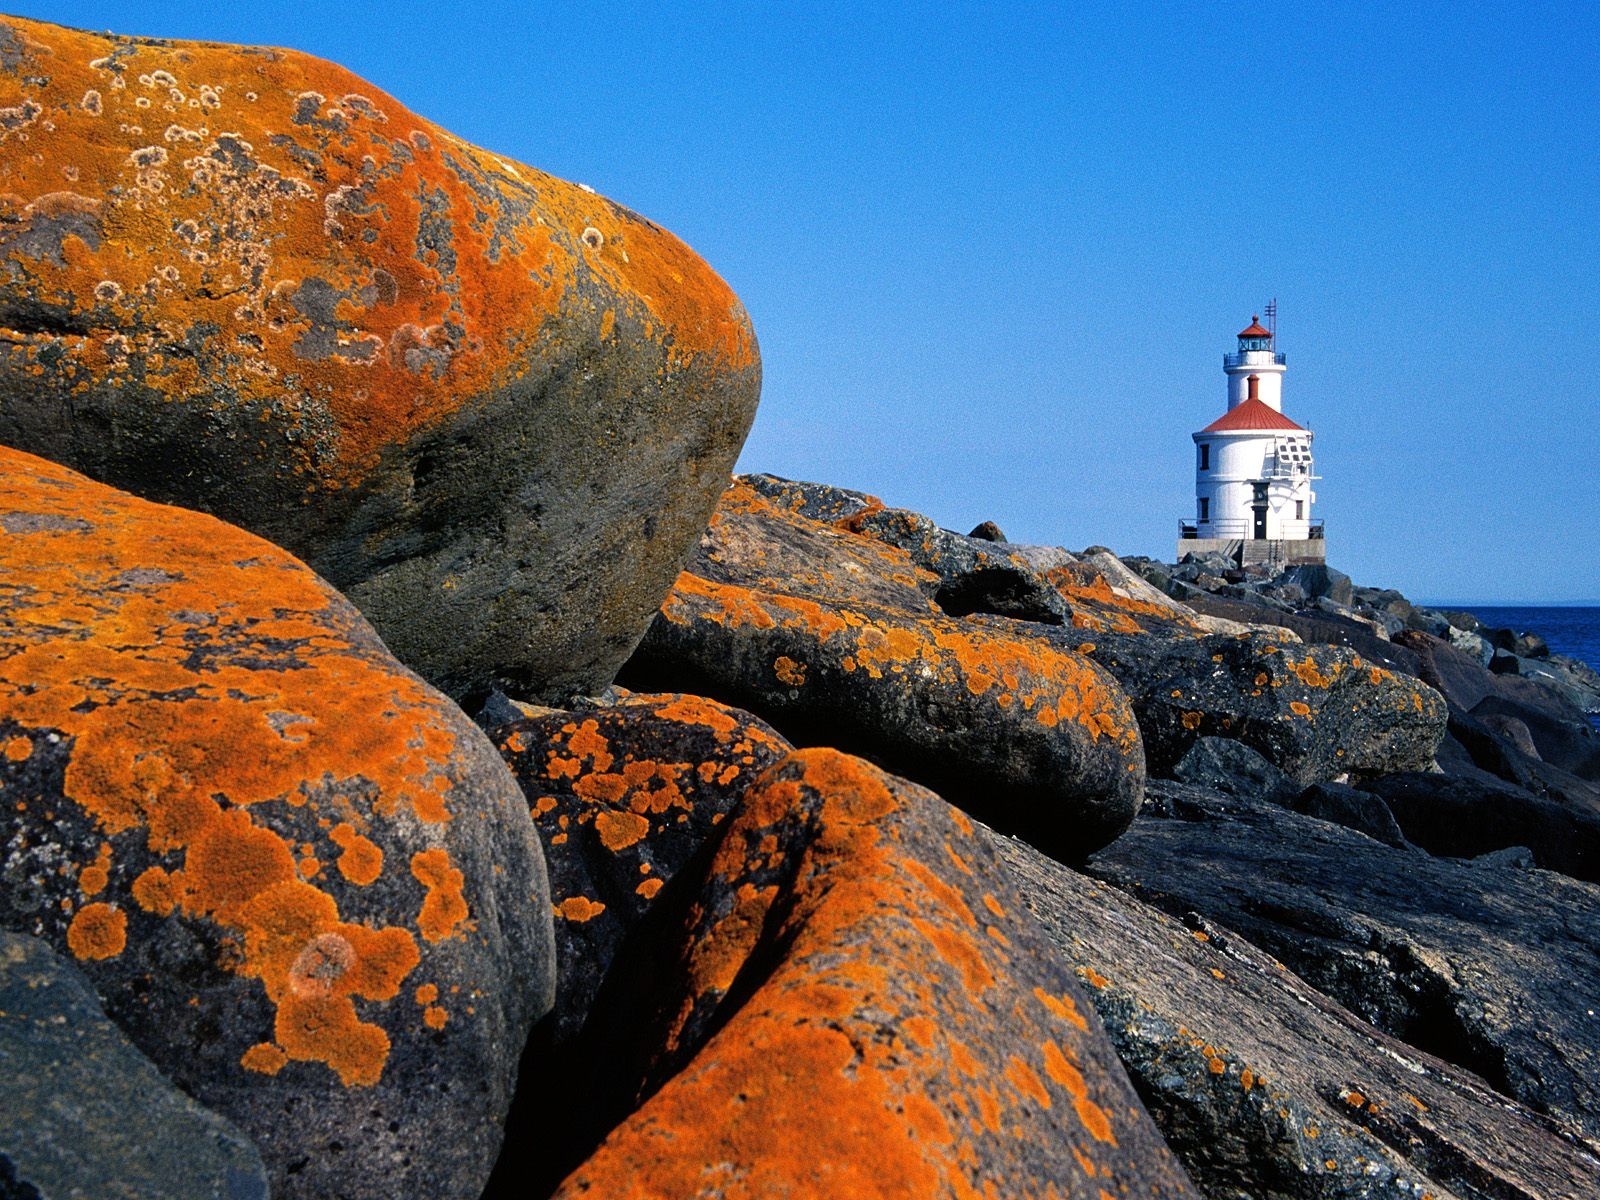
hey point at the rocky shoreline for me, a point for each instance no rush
(426, 770)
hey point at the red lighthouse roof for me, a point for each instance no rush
(1254, 328)
(1251, 415)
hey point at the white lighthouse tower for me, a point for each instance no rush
(1253, 471)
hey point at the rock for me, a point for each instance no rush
(1037, 740)
(1319, 628)
(1352, 808)
(1503, 662)
(1473, 963)
(755, 541)
(1319, 579)
(1531, 645)
(88, 1115)
(1425, 620)
(975, 576)
(1314, 712)
(1514, 730)
(1561, 733)
(493, 407)
(988, 531)
(814, 501)
(299, 878)
(1459, 676)
(1463, 621)
(1225, 765)
(1463, 818)
(1577, 682)
(623, 797)
(853, 1003)
(1471, 645)
(1262, 1085)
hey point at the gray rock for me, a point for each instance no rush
(1482, 966)
(1465, 817)
(1263, 1085)
(1319, 579)
(1225, 765)
(1352, 808)
(1314, 712)
(85, 1114)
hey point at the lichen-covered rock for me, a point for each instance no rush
(87, 1115)
(623, 797)
(1314, 712)
(1479, 963)
(1033, 738)
(855, 1004)
(299, 878)
(1266, 1087)
(755, 541)
(491, 406)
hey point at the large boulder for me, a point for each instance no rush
(1266, 1087)
(1314, 712)
(493, 407)
(853, 1002)
(1465, 817)
(1034, 738)
(623, 796)
(297, 876)
(86, 1114)
(1476, 962)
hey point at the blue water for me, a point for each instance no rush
(1574, 632)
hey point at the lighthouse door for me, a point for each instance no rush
(1259, 507)
(1261, 521)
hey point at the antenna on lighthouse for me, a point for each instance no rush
(1272, 320)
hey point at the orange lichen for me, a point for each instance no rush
(156, 891)
(619, 830)
(789, 671)
(1310, 674)
(361, 861)
(1094, 1117)
(579, 908)
(18, 748)
(373, 264)
(435, 1017)
(92, 879)
(1063, 1007)
(1299, 708)
(264, 1058)
(444, 907)
(98, 931)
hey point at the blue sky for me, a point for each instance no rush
(994, 252)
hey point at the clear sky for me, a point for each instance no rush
(994, 252)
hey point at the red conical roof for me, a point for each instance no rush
(1250, 416)
(1254, 328)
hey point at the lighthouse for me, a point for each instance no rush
(1253, 469)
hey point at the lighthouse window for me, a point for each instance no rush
(1205, 459)
(1299, 510)
(1205, 510)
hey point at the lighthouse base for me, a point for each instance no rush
(1288, 552)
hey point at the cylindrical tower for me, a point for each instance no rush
(1256, 356)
